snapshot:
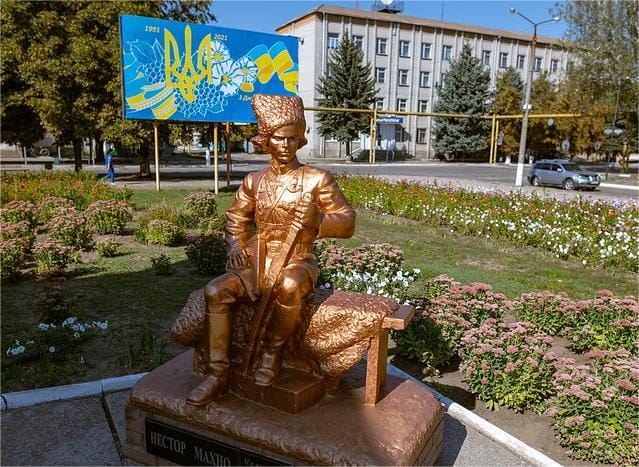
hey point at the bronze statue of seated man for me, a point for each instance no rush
(277, 214)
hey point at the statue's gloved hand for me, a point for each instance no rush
(238, 258)
(307, 214)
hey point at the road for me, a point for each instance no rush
(499, 177)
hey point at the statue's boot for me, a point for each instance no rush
(216, 381)
(281, 326)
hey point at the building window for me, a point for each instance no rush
(485, 57)
(554, 66)
(358, 41)
(422, 106)
(424, 79)
(521, 61)
(380, 75)
(399, 134)
(503, 60)
(333, 40)
(421, 136)
(404, 49)
(537, 63)
(447, 52)
(381, 46)
(425, 51)
(379, 103)
(401, 105)
(402, 78)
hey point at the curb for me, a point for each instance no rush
(622, 187)
(490, 431)
(14, 400)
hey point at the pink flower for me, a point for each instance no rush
(511, 349)
(484, 365)
(509, 367)
(625, 384)
(597, 404)
(485, 381)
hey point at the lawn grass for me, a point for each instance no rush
(141, 306)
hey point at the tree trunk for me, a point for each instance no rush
(145, 165)
(77, 154)
(99, 151)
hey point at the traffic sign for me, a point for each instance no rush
(597, 145)
(565, 145)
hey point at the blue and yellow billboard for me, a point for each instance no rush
(192, 72)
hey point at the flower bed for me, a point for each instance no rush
(604, 322)
(372, 269)
(82, 188)
(596, 407)
(508, 364)
(596, 232)
(434, 335)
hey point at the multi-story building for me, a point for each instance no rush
(409, 58)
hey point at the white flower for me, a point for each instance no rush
(69, 321)
(16, 350)
(228, 75)
(101, 325)
(219, 53)
(52, 349)
(43, 327)
(248, 69)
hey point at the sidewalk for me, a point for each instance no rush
(90, 430)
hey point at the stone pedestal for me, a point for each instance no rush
(404, 428)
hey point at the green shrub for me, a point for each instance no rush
(12, 258)
(434, 335)
(108, 216)
(54, 306)
(18, 211)
(596, 407)
(199, 206)
(547, 311)
(605, 322)
(212, 225)
(508, 365)
(160, 232)
(51, 257)
(107, 248)
(21, 232)
(208, 254)
(162, 265)
(162, 211)
(71, 229)
(50, 206)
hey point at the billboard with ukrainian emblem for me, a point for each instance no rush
(193, 72)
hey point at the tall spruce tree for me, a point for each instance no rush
(464, 92)
(348, 84)
(507, 101)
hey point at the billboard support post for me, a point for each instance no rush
(215, 158)
(227, 146)
(156, 149)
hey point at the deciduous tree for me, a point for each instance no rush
(508, 101)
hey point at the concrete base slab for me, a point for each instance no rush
(58, 433)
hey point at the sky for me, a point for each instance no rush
(266, 16)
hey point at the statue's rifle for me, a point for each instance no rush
(259, 321)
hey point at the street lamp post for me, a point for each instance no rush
(527, 107)
(613, 131)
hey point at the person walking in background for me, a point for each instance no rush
(108, 163)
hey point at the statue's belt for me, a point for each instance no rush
(274, 248)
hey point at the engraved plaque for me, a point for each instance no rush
(186, 448)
